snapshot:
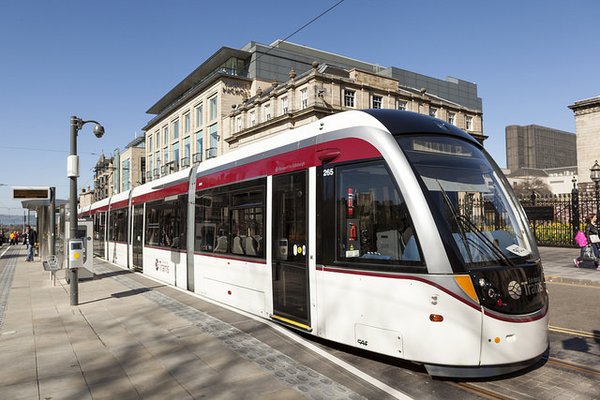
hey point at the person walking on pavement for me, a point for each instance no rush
(30, 238)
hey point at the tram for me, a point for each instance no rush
(385, 230)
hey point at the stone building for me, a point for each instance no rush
(131, 165)
(86, 197)
(539, 147)
(103, 178)
(587, 126)
(327, 89)
(239, 95)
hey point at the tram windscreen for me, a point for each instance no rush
(470, 199)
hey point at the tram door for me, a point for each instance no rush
(136, 240)
(289, 248)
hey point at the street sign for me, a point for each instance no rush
(539, 213)
(31, 192)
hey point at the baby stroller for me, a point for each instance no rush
(587, 258)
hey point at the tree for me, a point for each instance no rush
(532, 185)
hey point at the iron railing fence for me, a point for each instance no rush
(567, 214)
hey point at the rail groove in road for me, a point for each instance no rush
(556, 362)
(479, 391)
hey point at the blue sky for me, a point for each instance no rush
(111, 60)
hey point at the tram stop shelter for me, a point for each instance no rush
(43, 209)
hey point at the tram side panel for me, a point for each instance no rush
(229, 243)
(238, 283)
(166, 265)
(117, 253)
(391, 315)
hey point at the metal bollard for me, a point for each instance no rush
(74, 285)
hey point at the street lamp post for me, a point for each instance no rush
(73, 174)
(595, 177)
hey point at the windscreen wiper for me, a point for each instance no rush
(491, 245)
(462, 221)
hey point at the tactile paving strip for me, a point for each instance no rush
(310, 383)
(7, 272)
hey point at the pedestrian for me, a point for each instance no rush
(30, 239)
(591, 233)
(589, 244)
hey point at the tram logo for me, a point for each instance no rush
(161, 266)
(514, 290)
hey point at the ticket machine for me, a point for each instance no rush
(79, 250)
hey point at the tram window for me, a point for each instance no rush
(212, 226)
(166, 223)
(372, 218)
(118, 225)
(230, 220)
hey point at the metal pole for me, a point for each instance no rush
(53, 221)
(74, 285)
(597, 183)
(73, 272)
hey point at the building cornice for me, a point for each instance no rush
(586, 105)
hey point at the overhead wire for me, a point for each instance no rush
(45, 150)
(298, 30)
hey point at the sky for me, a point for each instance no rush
(111, 60)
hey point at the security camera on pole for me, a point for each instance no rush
(73, 174)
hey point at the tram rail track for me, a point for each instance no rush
(480, 391)
(570, 366)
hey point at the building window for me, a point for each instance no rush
(176, 155)
(468, 122)
(349, 98)
(267, 111)
(187, 148)
(238, 123)
(149, 143)
(433, 112)
(199, 116)
(158, 138)
(199, 150)
(252, 118)
(377, 101)
(284, 105)
(157, 169)
(187, 123)
(214, 141)
(176, 129)
(402, 105)
(166, 134)
(126, 174)
(451, 117)
(212, 108)
(303, 98)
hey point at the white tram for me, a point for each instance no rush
(385, 230)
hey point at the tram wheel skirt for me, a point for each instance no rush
(484, 371)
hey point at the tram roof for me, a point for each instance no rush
(407, 122)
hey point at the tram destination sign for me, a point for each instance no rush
(539, 213)
(31, 192)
